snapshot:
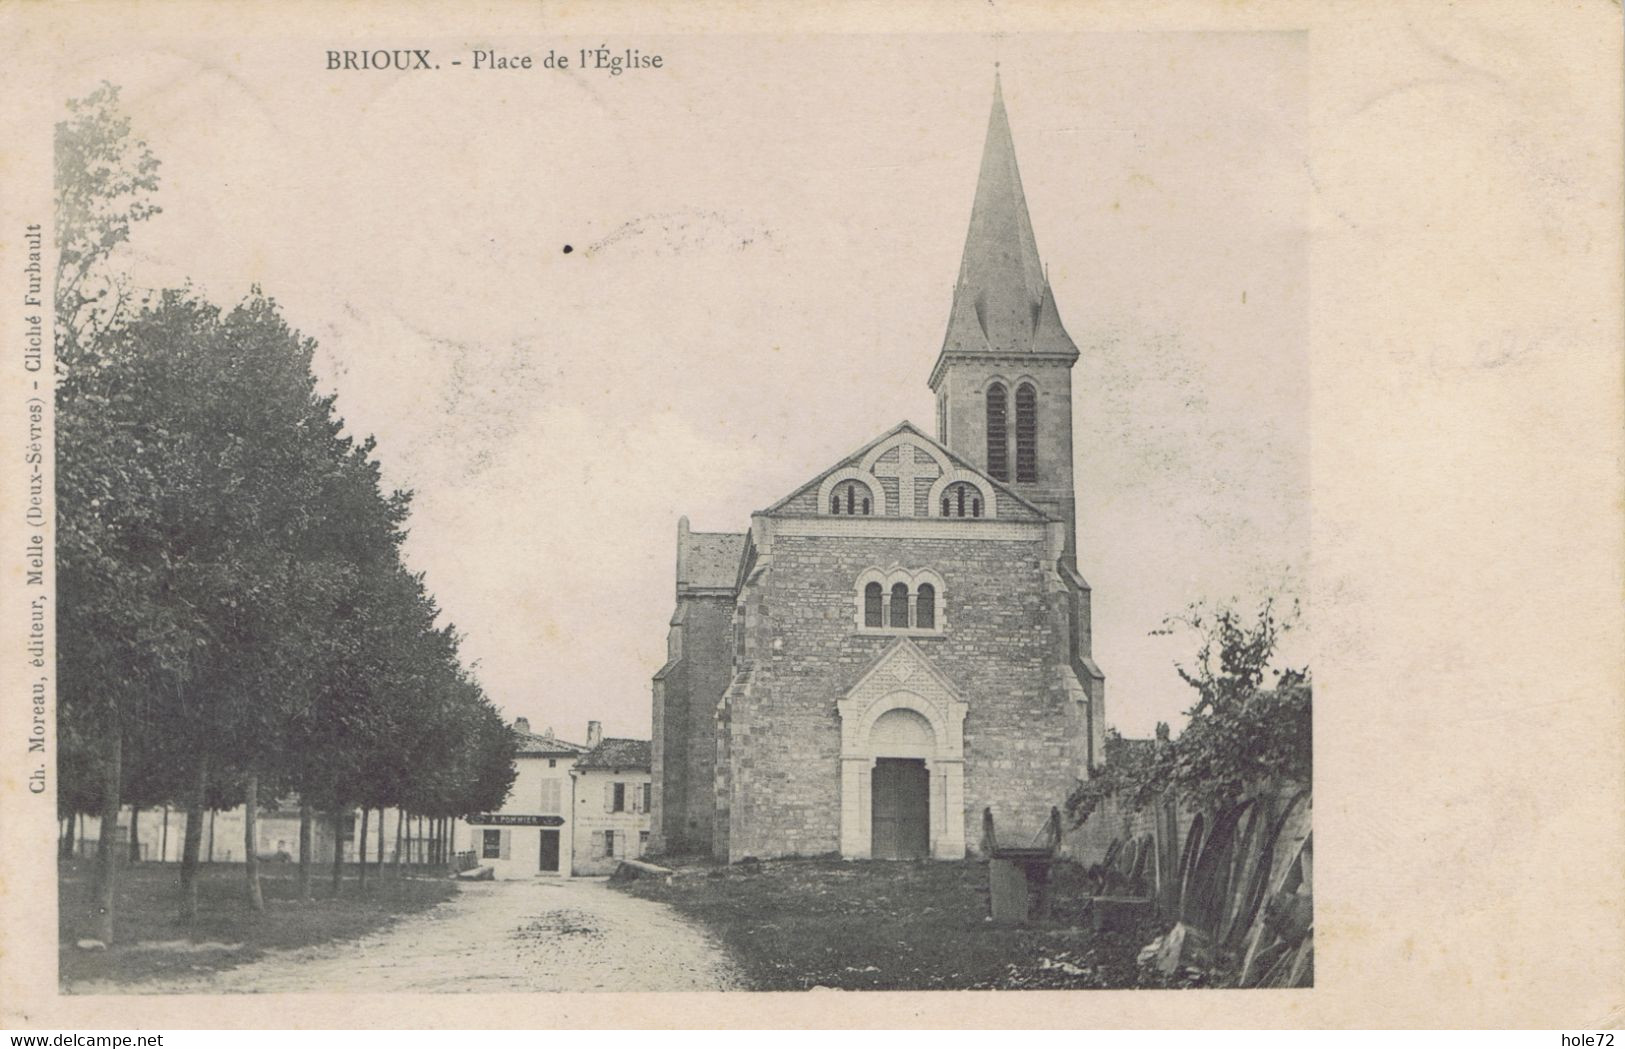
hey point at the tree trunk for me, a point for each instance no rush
(380, 844)
(135, 836)
(251, 840)
(400, 830)
(163, 839)
(106, 861)
(304, 849)
(361, 848)
(65, 846)
(211, 835)
(338, 850)
(192, 845)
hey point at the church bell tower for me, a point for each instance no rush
(1004, 378)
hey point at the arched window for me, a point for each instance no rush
(998, 451)
(851, 498)
(961, 500)
(925, 607)
(1026, 433)
(871, 605)
(946, 512)
(899, 604)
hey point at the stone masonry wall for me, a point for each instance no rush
(1004, 649)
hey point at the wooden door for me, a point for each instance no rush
(550, 850)
(900, 809)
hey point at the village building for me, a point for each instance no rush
(613, 799)
(532, 833)
(904, 640)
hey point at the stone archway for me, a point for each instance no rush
(903, 712)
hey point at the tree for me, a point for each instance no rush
(1242, 734)
(117, 637)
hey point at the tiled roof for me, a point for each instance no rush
(711, 559)
(535, 743)
(617, 754)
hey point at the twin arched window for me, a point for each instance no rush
(850, 498)
(998, 432)
(899, 607)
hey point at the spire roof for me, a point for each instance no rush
(1002, 302)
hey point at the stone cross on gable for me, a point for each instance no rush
(907, 470)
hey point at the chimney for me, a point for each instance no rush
(521, 725)
(595, 734)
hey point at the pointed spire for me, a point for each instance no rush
(1002, 283)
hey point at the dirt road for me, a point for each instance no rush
(494, 937)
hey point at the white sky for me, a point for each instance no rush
(766, 234)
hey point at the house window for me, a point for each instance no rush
(1026, 433)
(998, 452)
(550, 798)
(552, 763)
(643, 842)
(618, 804)
(899, 605)
(872, 605)
(648, 797)
(925, 607)
(491, 845)
(609, 842)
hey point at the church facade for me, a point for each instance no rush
(904, 640)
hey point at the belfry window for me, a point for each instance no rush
(872, 614)
(998, 433)
(1026, 433)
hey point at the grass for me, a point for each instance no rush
(866, 925)
(152, 943)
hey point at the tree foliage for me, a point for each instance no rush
(1250, 725)
(236, 610)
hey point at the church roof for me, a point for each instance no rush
(804, 499)
(617, 754)
(1002, 301)
(707, 560)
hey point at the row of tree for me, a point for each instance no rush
(236, 621)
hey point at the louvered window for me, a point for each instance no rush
(1026, 433)
(998, 433)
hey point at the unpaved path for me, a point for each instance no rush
(493, 937)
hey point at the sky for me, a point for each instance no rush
(764, 235)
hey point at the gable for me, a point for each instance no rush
(905, 475)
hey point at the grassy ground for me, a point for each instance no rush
(797, 924)
(151, 942)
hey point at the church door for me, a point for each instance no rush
(901, 809)
(550, 850)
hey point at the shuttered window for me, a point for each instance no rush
(550, 800)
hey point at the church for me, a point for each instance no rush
(904, 640)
